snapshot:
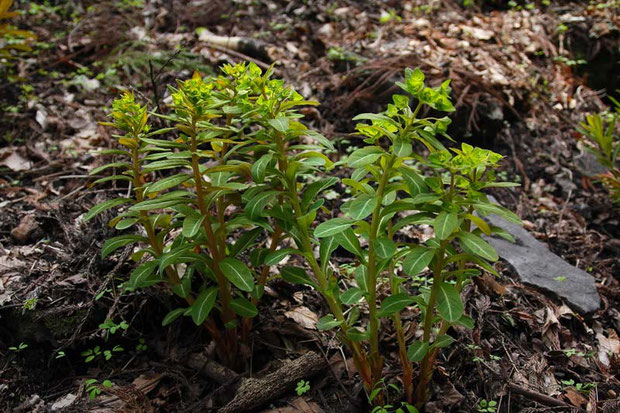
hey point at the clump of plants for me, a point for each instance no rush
(603, 141)
(242, 191)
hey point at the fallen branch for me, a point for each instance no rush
(253, 393)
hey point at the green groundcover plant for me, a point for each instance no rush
(242, 191)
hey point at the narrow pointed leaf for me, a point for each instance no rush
(237, 273)
(243, 307)
(362, 206)
(351, 296)
(364, 156)
(445, 223)
(478, 246)
(417, 351)
(275, 257)
(385, 248)
(112, 244)
(296, 275)
(349, 241)
(332, 227)
(104, 206)
(394, 303)
(417, 259)
(172, 315)
(191, 224)
(327, 323)
(449, 303)
(203, 305)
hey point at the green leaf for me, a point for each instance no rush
(449, 303)
(356, 334)
(296, 275)
(349, 241)
(158, 203)
(126, 223)
(361, 276)
(364, 156)
(478, 246)
(445, 223)
(327, 323)
(417, 259)
(385, 247)
(443, 340)
(176, 255)
(394, 303)
(466, 322)
(141, 276)
(112, 244)
(485, 208)
(104, 206)
(281, 124)
(275, 257)
(172, 315)
(328, 245)
(417, 351)
(184, 287)
(332, 227)
(260, 166)
(203, 305)
(314, 189)
(191, 224)
(414, 182)
(237, 273)
(166, 183)
(402, 148)
(245, 241)
(351, 296)
(257, 205)
(363, 206)
(243, 307)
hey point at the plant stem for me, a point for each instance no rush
(359, 356)
(227, 314)
(376, 361)
(402, 345)
(426, 366)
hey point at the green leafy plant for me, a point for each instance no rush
(110, 327)
(303, 387)
(97, 352)
(601, 132)
(188, 216)
(386, 183)
(243, 175)
(94, 389)
(485, 406)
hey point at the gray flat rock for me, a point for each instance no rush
(538, 266)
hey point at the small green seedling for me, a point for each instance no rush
(303, 386)
(487, 406)
(21, 347)
(94, 389)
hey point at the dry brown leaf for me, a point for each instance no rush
(609, 347)
(11, 158)
(575, 397)
(303, 316)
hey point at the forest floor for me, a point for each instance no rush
(522, 78)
